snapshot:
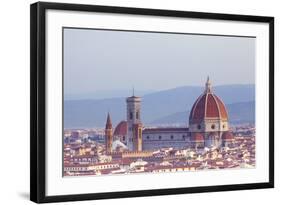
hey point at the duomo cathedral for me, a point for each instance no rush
(207, 127)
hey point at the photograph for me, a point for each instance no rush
(150, 102)
(134, 102)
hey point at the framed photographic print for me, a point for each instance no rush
(129, 102)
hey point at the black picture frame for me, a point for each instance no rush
(38, 100)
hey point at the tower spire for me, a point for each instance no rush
(108, 134)
(108, 122)
(208, 85)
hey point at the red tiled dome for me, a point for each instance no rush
(121, 129)
(197, 137)
(208, 105)
(227, 136)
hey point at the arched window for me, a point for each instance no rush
(137, 115)
(147, 137)
(160, 137)
(213, 126)
(198, 127)
(172, 137)
(131, 115)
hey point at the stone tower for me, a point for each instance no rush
(134, 138)
(108, 135)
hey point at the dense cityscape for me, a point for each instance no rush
(85, 154)
(208, 142)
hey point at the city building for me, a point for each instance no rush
(208, 126)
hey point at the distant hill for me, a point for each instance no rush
(104, 94)
(157, 105)
(243, 112)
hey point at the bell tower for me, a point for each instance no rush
(134, 123)
(137, 137)
(108, 135)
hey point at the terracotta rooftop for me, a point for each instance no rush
(121, 129)
(227, 136)
(197, 137)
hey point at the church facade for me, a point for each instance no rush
(207, 127)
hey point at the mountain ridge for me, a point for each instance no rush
(240, 112)
(92, 113)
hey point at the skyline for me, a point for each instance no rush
(141, 58)
(204, 140)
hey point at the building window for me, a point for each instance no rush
(160, 137)
(131, 115)
(198, 127)
(172, 136)
(223, 126)
(147, 137)
(183, 137)
(213, 126)
(137, 115)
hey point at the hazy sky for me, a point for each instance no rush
(96, 60)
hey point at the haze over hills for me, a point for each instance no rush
(243, 112)
(171, 105)
(104, 94)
